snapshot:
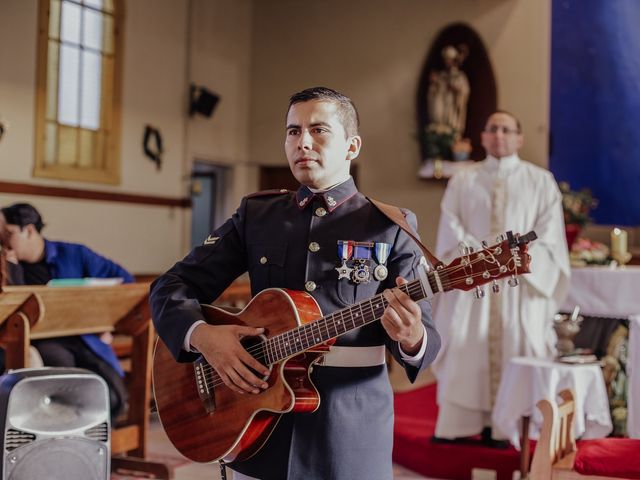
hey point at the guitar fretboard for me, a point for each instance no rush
(338, 323)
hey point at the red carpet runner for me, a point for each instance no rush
(415, 421)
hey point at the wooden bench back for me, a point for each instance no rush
(36, 312)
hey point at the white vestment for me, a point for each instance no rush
(529, 200)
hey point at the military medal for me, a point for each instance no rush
(361, 257)
(345, 249)
(382, 254)
(360, 272)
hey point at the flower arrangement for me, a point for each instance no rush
(461, 149)
(438, 140)
(588, 252)
(576, 205)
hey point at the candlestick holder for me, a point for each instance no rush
(566, 327)
(622, 258)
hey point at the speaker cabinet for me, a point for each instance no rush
(55, 425)
(203, 101)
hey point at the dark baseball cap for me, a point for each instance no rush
(23, 214)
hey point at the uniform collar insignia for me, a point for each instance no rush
(333, 198)
(303, 197)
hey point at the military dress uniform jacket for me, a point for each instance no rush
(275, 237)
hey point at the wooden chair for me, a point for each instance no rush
(556, 454)
(63, 311)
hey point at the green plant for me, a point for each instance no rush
(438, 140)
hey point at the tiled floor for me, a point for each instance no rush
(160, 449)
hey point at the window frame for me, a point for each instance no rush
(109, 172)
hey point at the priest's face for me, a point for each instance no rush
(318, 148)
(501, 136)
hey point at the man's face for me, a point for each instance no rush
(500, 137)
(316, 145)
(20, 240)
(3, 229)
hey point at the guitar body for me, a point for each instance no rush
(206, 421)
(224, 424)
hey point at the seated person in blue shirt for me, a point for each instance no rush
(42, 260)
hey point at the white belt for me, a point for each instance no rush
(354, 356)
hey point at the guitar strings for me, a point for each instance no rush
(412, 288)
(256, 350)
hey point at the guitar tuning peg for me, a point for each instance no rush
(464, 249)
(479, 292)
(513, 281)
(495, 287)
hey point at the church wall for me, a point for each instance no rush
(373, 50)
(158, 60)
(220, 39)
(254, 55)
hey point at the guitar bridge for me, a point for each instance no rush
(205, 391)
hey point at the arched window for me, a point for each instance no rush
(78, 90)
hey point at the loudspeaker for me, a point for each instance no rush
(55, 425)
(203, 101)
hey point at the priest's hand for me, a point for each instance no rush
(221, 347)
(402, 319)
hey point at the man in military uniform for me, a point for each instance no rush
(330, 240)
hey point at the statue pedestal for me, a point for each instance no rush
(436, 168)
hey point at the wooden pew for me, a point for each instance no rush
(120, 309)
(19, 311)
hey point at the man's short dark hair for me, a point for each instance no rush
(347, 110)
(506, 112)
(23, 214)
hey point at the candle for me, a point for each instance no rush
(618, 242)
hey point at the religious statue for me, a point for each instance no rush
(449, 92)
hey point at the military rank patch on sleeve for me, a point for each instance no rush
(210, 240)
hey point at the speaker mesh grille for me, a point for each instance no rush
(17, 438)
(99, 432)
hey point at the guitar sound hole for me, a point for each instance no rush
(255, 346)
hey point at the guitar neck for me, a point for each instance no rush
(338, 323)
(470, 271)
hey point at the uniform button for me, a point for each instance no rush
(321, 212)
(314, 247)
(263, 260)
(310, 286)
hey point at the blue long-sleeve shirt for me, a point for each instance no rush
(73, 260)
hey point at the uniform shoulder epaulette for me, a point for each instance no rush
(263, 193)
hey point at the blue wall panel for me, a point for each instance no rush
(595, 103)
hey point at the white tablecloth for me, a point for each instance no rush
(605, 292)
(525, 381)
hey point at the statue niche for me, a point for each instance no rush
(449, 92)
(456, 94)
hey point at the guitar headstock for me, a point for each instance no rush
(508, 258)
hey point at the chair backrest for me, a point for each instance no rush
(556, 446)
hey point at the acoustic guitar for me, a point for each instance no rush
(207, 421)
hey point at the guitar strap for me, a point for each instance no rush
(397, 216)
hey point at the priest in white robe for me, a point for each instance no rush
(480, 336)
